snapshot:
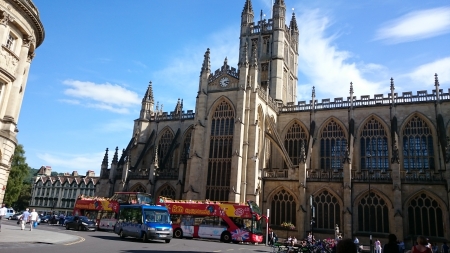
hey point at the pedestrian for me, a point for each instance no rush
(434, 248)
(24, 218)
(444, 248)
(33, 218)
(356, 242)
(377, 246)
(346, 246)
(270, 236)
(3, 211)
(421, 246)
(391, 246)
(401, 247)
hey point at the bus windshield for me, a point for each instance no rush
(156, 216)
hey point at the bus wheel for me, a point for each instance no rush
(121, 234)
(226, 237)
(178, 233)
(144, 237)
(167, 240)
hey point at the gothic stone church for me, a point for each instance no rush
(373, 165)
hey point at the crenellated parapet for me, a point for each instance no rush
(365, 100)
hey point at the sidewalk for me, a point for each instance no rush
(13, 234)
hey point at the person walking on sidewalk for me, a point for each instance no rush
(33, 218)
(24, 218)
(3, 211)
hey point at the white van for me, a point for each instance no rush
(9, 213)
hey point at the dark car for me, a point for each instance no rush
(81, 223)
(67, 219)
(16, 216)
(45, 218)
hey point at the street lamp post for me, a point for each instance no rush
(312, 216)
(369, 172)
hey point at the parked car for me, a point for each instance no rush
(16, 216)
(67, 219)
(9, 213)
(81, 223)
(45, 218)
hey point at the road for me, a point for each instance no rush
(102, 241)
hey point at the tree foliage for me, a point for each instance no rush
(19, 171)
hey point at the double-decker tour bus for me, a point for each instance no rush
(226, 221)
(104, 210)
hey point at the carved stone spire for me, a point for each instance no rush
(254, 57)
(313, 98)
(116, 157)
(244, 60)
(105, 158)
(149, 93)
(436, 84)
(293, 25)
(206, 67)
(247, 7)
(351, 95)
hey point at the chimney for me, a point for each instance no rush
(90, 173)
(75, 173)
(48, 170)
(66, 174)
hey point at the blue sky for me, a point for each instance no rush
(89, 76)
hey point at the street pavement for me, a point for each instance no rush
(14, 235)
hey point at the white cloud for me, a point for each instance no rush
(423, 76)
(111, 97)
(73, 162)
(416, 26)
(325, 66)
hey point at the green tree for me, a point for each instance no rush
(23, 201)
(19, 171)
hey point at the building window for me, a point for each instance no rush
(138, 188)
(167, 191)
(283, 209)
(418, 152)
(333, 144)
(186, 146)
(10, 42)
(163, 150)
(328, 211)
(373, 214)
(220, 153)
(374, 147)
(425, 217)
(293, 141)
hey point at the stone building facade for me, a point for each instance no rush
(21, 32)
(369, 165)
(59, 193)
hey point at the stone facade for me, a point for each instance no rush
(59, 193)
(371, 166)
(21, 32)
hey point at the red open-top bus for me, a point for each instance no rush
(104, 210)
(226, 221)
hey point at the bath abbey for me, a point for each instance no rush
(371, 165)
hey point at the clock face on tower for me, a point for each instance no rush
(224, 81)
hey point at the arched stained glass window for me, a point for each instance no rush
(163, 150)
(220, 153)
(283, 208)
(186, 145)
(138, 188)
(293, 140)
(418, 152)
(333, 144)
(374, 146)
(327, 210)
(425, 217)
(373, 214)
(167, 191)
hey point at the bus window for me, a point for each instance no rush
(176, 219)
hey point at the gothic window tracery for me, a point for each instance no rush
(167, 191)
(220, 153)
(373, 214)
(186, 145)
(425, 216)
(328, 210)
(163, 149)
(374, 146)
(283, 208)
(418, 152)
(333, 144)
(295, 137)
(138, 188)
